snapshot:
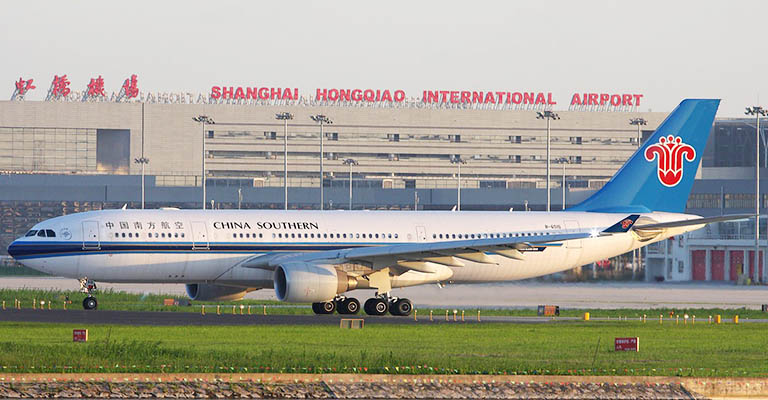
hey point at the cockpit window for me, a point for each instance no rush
(41, 233)
(33, 232)
(50, 233)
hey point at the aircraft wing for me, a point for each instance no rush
(416, 255)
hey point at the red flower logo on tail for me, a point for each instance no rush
(670, 152)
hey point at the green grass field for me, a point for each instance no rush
(112, 300)
(569, 348)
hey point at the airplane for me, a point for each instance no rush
(319, 256)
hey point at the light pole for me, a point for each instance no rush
(203, 119)
(638, 122)
(458, 161)
(143, 161)
(285, 116)
(563, 160)
(548, 115)
(637, 254)
(350, 162)
(322, 120)
(757, 111)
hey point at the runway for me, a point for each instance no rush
(156, 318)
(159, 318)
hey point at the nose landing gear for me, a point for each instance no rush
(88, 286)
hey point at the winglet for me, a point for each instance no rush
(622, 226)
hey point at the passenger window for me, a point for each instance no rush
(395, 235)
(260, 235)
(293, 236)
(234, 235)
(130, 235)
(33, 232)
(357, 235)
(176, 235)
(123, 234)
(162, 235)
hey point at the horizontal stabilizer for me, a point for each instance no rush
(695, 221)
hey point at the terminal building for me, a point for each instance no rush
(59, 157)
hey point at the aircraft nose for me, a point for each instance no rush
(13, 248)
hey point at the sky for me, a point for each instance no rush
(664, 50)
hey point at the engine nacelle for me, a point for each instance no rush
(207, 292)
(301, 282)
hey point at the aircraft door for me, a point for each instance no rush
(199, 236)
(91, 235)
(572, 226)
(421, 234)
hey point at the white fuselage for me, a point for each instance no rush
(196, 246)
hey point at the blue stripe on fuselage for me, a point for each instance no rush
(40, 249)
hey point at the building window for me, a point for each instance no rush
(333, 136)
(454, 138)
(270, 135)
(516, 139)
(393, 137)
(575, 139)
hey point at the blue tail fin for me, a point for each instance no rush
(659, 176)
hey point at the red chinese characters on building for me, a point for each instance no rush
(23, 86)
(131, 87)
(96, 87)
(60, 86)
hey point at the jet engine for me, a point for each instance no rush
(301, 282)
(207, 292)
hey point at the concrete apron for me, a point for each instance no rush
(710, 387)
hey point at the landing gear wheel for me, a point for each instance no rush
(349, 305)
(376, 306)
(401, 307)
(325, 307)
(90, 303)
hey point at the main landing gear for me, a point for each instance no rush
(378, 305)
(88, 286)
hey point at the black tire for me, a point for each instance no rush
(90, 303)
(376, 306)
(328, 307)
(348, 306)
(402, 307)
(317, 308)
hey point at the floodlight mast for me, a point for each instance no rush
(143, 161)
(548, 115)
(285, 116)
(458, 161)
(757, 111)
(350, 162)
(203, 120)
(322, 120)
